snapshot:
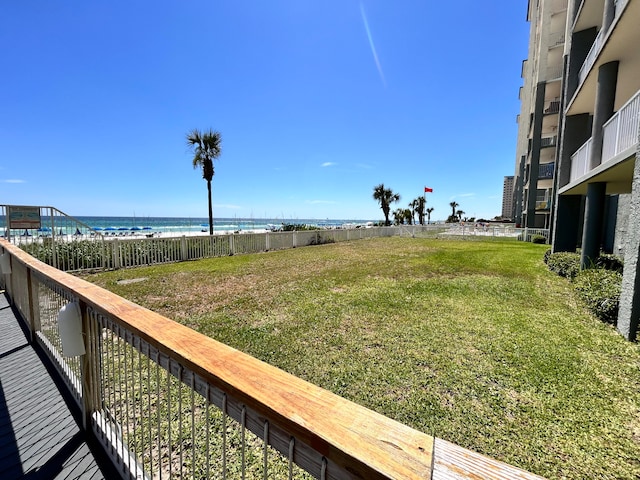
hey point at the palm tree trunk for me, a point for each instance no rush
(210, 208)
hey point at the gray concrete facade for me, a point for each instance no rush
(629, 314)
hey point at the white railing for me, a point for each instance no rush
(167, 402)
(97, 252)
(621, 131)
(591, 57)
(580, 161)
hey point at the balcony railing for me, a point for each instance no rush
(621, 131)
(548, 141)
(619, 134)
(552, 107)
(597, 44)
(580, 161)
(591, 57)
(545, 171)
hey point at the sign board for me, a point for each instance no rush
(24, 217)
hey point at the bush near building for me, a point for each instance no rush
(598, 287)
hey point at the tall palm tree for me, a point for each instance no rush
(453, 206)
(417, 206)
(206, 147)
(386, 197)
(429, 210)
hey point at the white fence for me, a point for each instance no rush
(86, 249)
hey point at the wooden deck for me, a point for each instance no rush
(39, 436)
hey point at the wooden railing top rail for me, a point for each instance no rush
(366, 443)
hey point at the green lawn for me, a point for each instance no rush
(475, 342)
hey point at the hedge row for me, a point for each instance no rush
(598, 287)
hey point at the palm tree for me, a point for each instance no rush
(398, 216)
(459, 214)
(429, 210)
(418, 208)
(453, 206)
(207, 147)
(386, 197)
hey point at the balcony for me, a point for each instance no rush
(591, 57)
(552, 107)
(548, 141)
(545, 171)
(620, 134)
(598, 43)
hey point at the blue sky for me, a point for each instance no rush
(317, 102)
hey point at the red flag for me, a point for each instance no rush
(427, 189)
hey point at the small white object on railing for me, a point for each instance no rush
(70, 329)
(5, 263)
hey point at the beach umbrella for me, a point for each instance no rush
(123, 228)
(97, 228)
(110, 228)
(44, 229)
(135, 228)
(146, 228)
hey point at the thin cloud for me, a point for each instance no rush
(328, 164)
(323, 202)
(12, 180)
(373, 47)
(463, 195)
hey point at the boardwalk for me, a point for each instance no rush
(39, 437)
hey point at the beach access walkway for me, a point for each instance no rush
(39, 435)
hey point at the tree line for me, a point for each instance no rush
(415, 213)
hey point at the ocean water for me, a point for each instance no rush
(195, 224)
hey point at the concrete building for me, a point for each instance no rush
(539, 118)
(595, 204)
(507, 197)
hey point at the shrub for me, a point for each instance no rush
(541, 239)
(565, 264)
(545, 258)
(609, 261)
(600, 290)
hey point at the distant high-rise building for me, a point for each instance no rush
(507, 197)
(579, 135)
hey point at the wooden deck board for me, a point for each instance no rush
(39, 437)
(452, 462)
